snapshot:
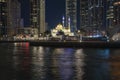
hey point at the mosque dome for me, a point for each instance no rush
(59, 27)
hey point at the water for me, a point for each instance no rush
(19, 61)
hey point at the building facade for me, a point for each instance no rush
(84, 14)
(117, 12)
(71, 14)
(14, 16)
(110, 14)
(37, 15)
(60, 27)
(93, 13)
(10, 17)
(3, 17)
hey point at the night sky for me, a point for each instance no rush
(25, 12)
(55, 9)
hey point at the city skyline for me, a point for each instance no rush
(93, 14)
(25, 10)
(54, 12)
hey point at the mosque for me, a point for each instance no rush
(64, 29)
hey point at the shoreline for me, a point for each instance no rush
(84, 44)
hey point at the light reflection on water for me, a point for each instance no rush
(20, 61)
(65, 62)
(115, 64)
(79, 62)
(97, 65)
(38, 63)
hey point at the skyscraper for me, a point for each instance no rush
(3, 18)
(84, 14)
(37, 15)
(10, 17)
(110, 14)
(93, 13)
(71, 14)
(117, 12)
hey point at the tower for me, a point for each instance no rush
(84, 14)
(3, 18)
(10, 17)
(97, 13)
(71, 12)
(37, 15)
(110, 14)
(117, 12)
(93, 13)
(63, 21)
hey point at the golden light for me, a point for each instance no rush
(59, 27)
(117, 3)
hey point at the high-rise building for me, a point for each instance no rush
(93, 13)
(97, 14)
(117, 12)
(84, 14)
(71, 14)
(10, 17)
(110, 14)
(3, 18)
(14, 16)
(37, 15)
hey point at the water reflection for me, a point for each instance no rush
(6, 69)
(20, 61)
(38, 71)
(79, 62)
(65, 62)
(115, 64)
(97, 66)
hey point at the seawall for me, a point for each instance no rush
(76, 44)
(87, 44)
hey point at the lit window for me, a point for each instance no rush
(3, 13)
(2, 0)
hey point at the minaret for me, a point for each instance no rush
(69, 22)
(63, 21)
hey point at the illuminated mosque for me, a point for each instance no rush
(61, 27)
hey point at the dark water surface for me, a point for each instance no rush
(19, 61)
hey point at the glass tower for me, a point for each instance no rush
(84, 14)
(117, 12)
(71, 14)
(110, 13)
(93, 13)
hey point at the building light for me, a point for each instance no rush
(117, 3)
(2, 0)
